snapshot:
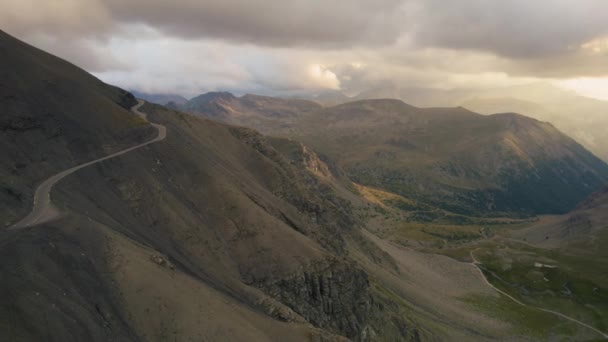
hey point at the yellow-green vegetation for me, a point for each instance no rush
(572, 280)
(383, 198)
(575, 285)
(440, 236)
(405, 220)
(525, 320)
(404, 228)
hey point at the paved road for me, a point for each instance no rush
(43, 209)
(476, 264)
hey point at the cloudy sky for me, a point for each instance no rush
(286, 46)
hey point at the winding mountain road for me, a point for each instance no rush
(43, 209)
(476, 264)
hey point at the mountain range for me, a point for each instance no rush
(451, 158)
(578, 116)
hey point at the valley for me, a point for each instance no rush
(549, 281)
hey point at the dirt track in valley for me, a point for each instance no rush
(476, 264)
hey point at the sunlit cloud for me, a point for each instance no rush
(590, 87)
(599, 45)
(325, 77)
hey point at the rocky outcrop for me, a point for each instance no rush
(333, 294)
(329, 216)
(336, 295)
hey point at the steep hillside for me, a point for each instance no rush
(210, 234)
(54, 115)
(216, 205)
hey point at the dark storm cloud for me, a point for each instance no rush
(515, 29)
(311, 23)
(295, 44)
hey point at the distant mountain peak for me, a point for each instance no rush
(214, 95)
(161, 99)
(378, 103)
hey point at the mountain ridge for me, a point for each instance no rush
(498, 156)
(539, 100)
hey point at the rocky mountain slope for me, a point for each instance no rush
(54, 115)
(214, 233)
(447, 157)
(210, 234)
